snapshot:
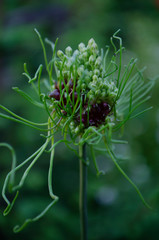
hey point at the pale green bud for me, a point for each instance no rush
(80, 70)
(105, 84)
(81, 47)
(97, 92)
(87, 79)
(92, 85)
(80, 57)
(103, 94)
(91, 42)
(91, 59)
(77, 129)
(85, 55)
(95, 78)
(60, 54)
(94, 48)
(58, 73)
(72, 125)
(116, 91)
(68, 51)
(100, 84)
(58, 64)
(68, 64)
(87, 64)
(90, 73)
(83, 86)
(98, 61)
(96, 72)
(65, 74)
(91, 97)
(112, 96)
(76, 53)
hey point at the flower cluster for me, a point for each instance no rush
(90, 99)
(83, 87)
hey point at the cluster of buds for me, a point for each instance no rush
(82, 86)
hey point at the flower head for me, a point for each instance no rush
(87, 100)
(83, 92)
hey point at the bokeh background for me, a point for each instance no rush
(115, 210)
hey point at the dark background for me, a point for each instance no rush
(115, 210)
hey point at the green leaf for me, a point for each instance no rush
(28, 97)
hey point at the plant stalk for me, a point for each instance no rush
(83, 191)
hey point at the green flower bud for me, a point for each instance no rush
(91, 59)
(77, 129)
(58, 64)
(116, 91)
(112, 96)
(80, 70)
(97, 92)
(94, 46)
(98, 62)
(60, 54)
(87, 78)
(91, 42)
(94, 49)
(87, 64)
(72, 124)
(83, 86)
(68, 51)
(76, 53)
(90, 73)
(92, 85)
(91, 97)
(58, 74)
(65, 74)
(103, 94)
(105, 85)
(68, 64)
(81, 47)
(84, 55)
(96, 72)
(95, 78)
(80, 57)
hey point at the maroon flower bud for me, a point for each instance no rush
(75, 96)
(64, 112)
(92, 122)
(106, 108)
(55, 94)
(62, 85)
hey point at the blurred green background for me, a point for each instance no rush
(115, 210)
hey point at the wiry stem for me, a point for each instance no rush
(83, 191)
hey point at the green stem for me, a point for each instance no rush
(83, 191)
